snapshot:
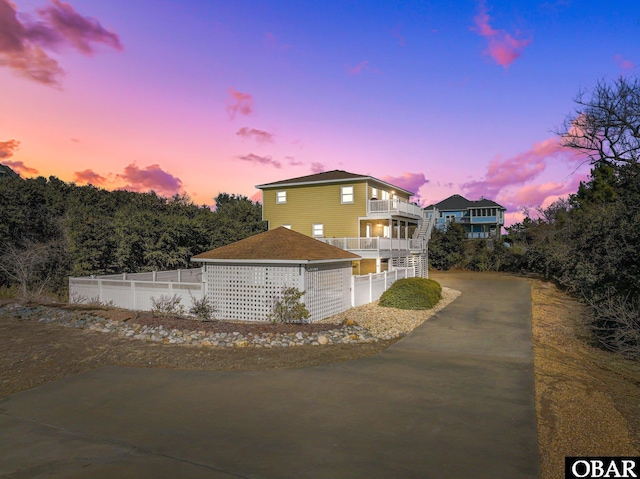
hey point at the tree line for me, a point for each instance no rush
(589, 243)
(50, 229)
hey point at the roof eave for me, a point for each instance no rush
(340, 180)
(272, 261)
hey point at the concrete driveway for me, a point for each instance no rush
(454, 399)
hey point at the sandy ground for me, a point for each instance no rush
(587, 399)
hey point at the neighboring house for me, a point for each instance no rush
(358, 213)
(482, 218)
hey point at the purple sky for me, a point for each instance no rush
(205, 97)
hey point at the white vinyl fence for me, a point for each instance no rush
(369, 288)
(136, 291)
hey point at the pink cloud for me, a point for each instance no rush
(293, 161)
(240, 103)
(317, 167)
(150, 178)
(513, 171)
(359, 68)
(263, 160)
(256, 197)
(22, 41)
(89, 176)
(622, 63)
(260, 136)
(408, 181)
(503, 47)
(273, 42)
(19, 167)
(8, 148)
(398, 36)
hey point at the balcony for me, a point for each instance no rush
(397, 206)
(375, 244)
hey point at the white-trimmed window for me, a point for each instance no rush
(374, 193)
(318, 230)
(281, 197)
(346, 194)
(384, 195)
(287, 226)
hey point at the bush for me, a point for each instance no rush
(289, 308)
(616, 325)
(167, 306)
(202, 309)
(412, 293)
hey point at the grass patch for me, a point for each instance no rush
(412, 293)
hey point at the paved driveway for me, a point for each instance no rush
(454, 399)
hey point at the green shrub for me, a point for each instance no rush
(289, 308)
(412, 293)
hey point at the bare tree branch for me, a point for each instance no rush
(606, 123)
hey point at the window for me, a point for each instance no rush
(346, 193)
(374, 193)
(318, 230)
(384, 195)
(287, 226)
(281, 197)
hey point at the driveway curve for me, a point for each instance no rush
(453, 399)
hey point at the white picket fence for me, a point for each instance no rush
(138, 290)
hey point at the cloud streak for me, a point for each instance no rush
(151, 177)
(317, 167)
(408, 181)
(7, 149)
(506, 179)
(622, 63)
(262, 160)
(89, 176)
(23, 41)
(502, 46)
(359, 68)
(260, 136)
(239, 103)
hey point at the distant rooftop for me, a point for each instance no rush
(333, 176)
(278, 245)
(458, 202)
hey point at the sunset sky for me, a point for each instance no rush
(203, 97)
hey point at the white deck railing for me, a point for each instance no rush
(397, 206)
(374, 244)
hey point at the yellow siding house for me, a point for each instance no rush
(358, 213)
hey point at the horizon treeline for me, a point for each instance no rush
(56, 229)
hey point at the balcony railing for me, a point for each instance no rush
(396, 206)
(375, 244)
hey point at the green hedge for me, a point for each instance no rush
(412, 293)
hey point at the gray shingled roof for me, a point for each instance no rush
(280, 244)
(333, 176)
(458, 202)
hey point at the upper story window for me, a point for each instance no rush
(318, 230)
(346, 194)
(374, 193)
(287, 226)
(384, 195)
(281, 197)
